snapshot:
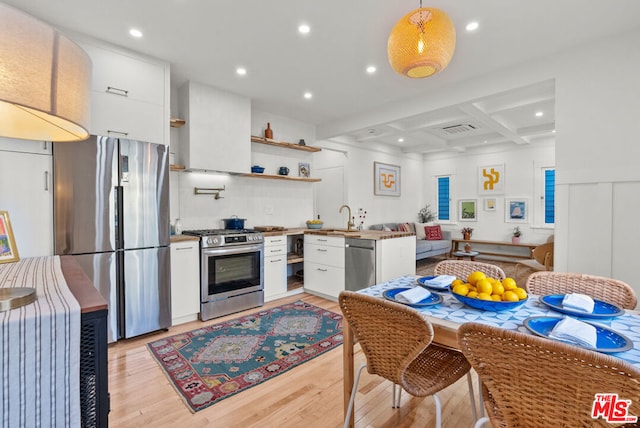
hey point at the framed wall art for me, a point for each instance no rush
(516, 210)
(491, 179)
(386, 179)
(304, 170)
(8, 249)
(467, 210)
(490, 204)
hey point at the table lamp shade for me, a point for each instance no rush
(422, 43)
(45, 79)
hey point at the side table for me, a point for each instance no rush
(460, 255)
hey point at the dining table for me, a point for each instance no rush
(449, 314)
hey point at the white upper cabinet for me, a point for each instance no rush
(217, 134)
(129, 94)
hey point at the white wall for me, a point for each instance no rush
(358, 166)
(520, 166)
(261, 201)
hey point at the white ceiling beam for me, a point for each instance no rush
(491, 123)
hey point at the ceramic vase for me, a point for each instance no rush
(467, 248)
(515, 239)
(268, 133)
(466, 236)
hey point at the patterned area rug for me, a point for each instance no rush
(214, 362)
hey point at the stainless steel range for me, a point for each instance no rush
(231, 271)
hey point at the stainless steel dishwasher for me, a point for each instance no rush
(360, 263)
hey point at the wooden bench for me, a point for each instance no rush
(493, 248)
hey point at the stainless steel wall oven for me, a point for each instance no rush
(231, 271)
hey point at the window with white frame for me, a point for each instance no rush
(443, 196)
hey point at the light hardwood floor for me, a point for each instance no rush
(308, 396)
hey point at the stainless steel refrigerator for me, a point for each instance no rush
(111, 212)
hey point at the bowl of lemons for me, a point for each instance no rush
(315, 224)
(488, 294)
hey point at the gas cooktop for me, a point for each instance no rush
(217, 232)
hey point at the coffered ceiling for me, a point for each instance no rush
(206, 41)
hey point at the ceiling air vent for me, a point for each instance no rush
(459, 129)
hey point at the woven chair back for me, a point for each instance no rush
(598, 287)
(391, 335)
(530, 381)
(544, 255)
(462, 268)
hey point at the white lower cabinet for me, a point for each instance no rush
(275, 267)
(324, 265)
(185, 281)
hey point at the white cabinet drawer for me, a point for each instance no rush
(272, 241)
(332, 241)
(327, 280)
(332, 256)
(275, 251)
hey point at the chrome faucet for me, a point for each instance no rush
(350, 223)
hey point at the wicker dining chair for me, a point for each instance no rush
(397, 343)
(598, 287)
(462, 268)
(534, 382)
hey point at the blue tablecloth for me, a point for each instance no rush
(453, 310)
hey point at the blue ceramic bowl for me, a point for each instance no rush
(315, 225)
(489, 305)
(257, 169)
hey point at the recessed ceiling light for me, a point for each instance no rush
(539, 114)
(308, 95)
(472, 26)
(400, 140)
(241, 71)
(134, 32)
(371, 69)
(304, 29)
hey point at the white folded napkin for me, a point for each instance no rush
(574, 331)
(440, 281)
(578, 302)
(413, 295)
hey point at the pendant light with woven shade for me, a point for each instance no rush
(422, 43)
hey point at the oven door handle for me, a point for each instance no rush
(235, 249)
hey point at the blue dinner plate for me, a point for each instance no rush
(608, 340)
(424, 282)
(433, 299)
(600, 309)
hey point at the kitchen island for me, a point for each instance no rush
(56, 371)
(338, 259)
(94, 395)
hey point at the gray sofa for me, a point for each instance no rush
(424, 248)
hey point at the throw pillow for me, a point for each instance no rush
(419, 227)
(406, 227)
(433, 233)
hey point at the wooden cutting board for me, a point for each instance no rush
(268, 228)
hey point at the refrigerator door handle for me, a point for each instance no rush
(118, 191)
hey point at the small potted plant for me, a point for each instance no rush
(466, 233)
(425, 215)
(515, 239)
